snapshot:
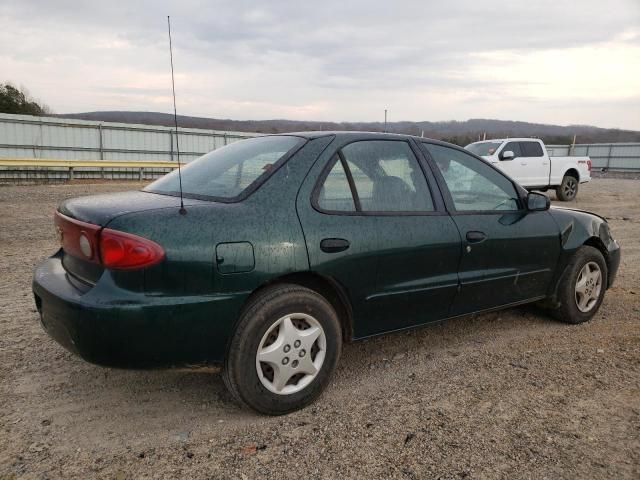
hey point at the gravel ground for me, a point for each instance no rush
(511, 394)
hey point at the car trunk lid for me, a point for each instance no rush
(79, 222)
(101, 209)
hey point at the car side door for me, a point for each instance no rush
(536, 166)
(509, 253)
(514, 166)
(400, 268)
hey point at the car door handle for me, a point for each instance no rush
(334, 245)
(476, 237)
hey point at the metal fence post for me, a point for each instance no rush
(171, 145)
(609, 155)
(101, 148)
(100, 141)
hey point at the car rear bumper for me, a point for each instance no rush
(109, 326)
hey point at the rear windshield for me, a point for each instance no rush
(226, 173)
(483, 149)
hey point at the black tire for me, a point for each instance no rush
(568, 310)
(568, 189)
(240, 369)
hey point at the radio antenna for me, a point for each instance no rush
(175, 118)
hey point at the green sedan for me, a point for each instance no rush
(289, 245)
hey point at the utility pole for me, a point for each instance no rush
(385, 120)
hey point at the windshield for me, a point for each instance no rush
(227, 172)
(484, 149)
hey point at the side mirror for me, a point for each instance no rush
(538, 202)
(508, 155)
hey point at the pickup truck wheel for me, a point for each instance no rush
(568, 189)
(284, 350)
(582, 286)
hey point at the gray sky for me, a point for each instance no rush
(550, 61)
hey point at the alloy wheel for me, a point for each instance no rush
(570, 187)
(588, 287)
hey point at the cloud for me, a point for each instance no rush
(333, 60)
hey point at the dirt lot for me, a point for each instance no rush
(503, 395)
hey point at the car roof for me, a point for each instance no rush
(358, 135)
(514, 139)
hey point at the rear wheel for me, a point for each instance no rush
(582, 286)
(284, 350)
(568, 189)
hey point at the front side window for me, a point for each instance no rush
(513, 147)
(474, 185)
(228, 172)
(484, 149)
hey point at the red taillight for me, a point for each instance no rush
(112, 249)
(589, 165)
(121, 250)
(77, 238)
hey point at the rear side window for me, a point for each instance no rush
(387, 177)
(335, 193)
(229, 172)
(382, 176)
(531, 149)
(362, 182)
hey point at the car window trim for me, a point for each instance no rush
(446, 194)
(432, 181)
(352, 183)
(438, 210)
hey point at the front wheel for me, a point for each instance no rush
(568, 189)
(284, 350)
(582, 286)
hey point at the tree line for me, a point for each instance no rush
(17, 100)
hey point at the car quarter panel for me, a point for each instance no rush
(561, 165)
(115, 327)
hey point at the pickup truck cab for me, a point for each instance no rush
(526, 161)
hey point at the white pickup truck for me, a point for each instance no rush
(527, 162)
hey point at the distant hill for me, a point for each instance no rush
(461, 133)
